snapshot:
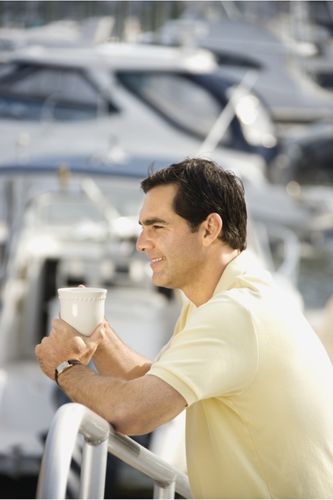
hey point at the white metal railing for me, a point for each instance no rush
(291, 248)
(221, 124)
(73, 419)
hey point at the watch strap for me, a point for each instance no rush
(65, 365)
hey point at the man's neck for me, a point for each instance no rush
(209, 277)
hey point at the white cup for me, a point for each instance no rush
(82, 307)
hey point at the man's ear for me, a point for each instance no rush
(212, 227)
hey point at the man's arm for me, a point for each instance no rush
(133, 407)
(114, 357)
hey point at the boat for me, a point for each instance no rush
(244, 43)
(113, 94)
(61, 33)
(277, 71)
(306, 157)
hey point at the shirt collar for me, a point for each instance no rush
(246, 262)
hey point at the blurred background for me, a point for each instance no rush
(92, 95)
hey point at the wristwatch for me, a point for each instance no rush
(64, 366)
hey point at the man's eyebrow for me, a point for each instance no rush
(153, 220)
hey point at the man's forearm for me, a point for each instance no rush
(114, 357)
(99, 393)
(133, 407)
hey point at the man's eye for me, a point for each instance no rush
(156, 226)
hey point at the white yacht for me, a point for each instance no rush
(111, 96)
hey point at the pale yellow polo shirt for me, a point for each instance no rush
(259, 389)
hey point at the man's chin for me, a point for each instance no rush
(160, 282)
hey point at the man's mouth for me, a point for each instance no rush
(156, 260)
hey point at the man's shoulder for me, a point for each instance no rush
(229, 307)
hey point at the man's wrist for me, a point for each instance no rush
(64, 366)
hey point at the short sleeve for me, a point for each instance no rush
(215, 354)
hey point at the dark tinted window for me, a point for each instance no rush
(30, 91)
(182, 100)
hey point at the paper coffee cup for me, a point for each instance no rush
(82, 307)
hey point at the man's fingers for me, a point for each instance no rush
(60, 325)
(97, 334)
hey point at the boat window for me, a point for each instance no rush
(30, 91)
(323, 78)
(229, 59)
(53, 209)
(178, 98)
(68, 213)
(6, 69)
(125, 197)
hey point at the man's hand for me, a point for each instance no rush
(64, 342)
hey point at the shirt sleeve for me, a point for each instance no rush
(215, 354)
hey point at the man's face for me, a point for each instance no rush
(175, 252)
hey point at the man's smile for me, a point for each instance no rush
(155, 260)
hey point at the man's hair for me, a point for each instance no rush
(204, 188)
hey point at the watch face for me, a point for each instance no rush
(62, 366)
(67, 364)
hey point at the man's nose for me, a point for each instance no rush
(142, 242)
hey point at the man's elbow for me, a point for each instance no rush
(126, 421)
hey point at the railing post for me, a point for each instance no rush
(71, 419)
(57, 457)
(164, 490)
(93, 470)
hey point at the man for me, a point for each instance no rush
(255, 380)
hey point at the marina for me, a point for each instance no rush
(85, 112)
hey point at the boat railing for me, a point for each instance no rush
(291, 249)
(289, 266)
(221, 124)
(99, 438)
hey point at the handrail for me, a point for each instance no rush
(221, 124)
(70, 420)
(73, 419)
(291, 251)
